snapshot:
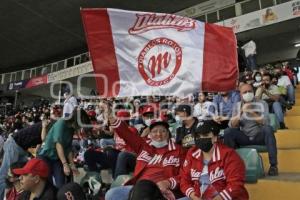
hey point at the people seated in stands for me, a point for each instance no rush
(271, 94)
(204, 109)
(211, 170)
(188, 125)
(224, 103)
(249, 125)
(284, 81)
(158, 159)
(120, 158)
(15, 149)
(13, 185)
(34, 181)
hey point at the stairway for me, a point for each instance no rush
(287, 184)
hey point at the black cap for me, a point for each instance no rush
(205, 127)
(159, 123)
(71, 191)
(184, 108)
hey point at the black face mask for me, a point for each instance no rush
(8, 183)
(205, 144)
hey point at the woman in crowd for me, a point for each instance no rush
(257, 80)
(158, 160)
(203, 109)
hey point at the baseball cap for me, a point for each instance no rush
(205, 127)
(184, 108)
(71, 191)
(35, 167)
(91, 113)
(147, 109)
(123, 114)
(159, 123)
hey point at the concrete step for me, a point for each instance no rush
(288, 139)
(297, 103)
(294, 112)
(288, 160)
(284, 186)
(292, 122)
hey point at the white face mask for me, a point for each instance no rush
(248, 97)
(66, 95)
(178, 119)
(258, 78)
(159, 144)
(148, 122)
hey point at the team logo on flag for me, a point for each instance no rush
(159, 61)
(147, 22)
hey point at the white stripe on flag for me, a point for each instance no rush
(128, 47)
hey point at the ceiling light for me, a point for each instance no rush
(297, 45)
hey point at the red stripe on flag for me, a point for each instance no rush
(220, 65)
(101, 46)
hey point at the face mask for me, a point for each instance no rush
(205, 144)
(8, 184)
(148, 122)
(178, 119)
(248, 97)
(158, 144)
(258, 78)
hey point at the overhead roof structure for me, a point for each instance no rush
(38, 32)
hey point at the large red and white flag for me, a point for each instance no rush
(139, 53)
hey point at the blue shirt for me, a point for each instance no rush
(225, 108)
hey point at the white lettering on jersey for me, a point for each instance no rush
(158, 159)
(217, 174)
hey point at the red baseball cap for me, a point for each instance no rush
(123, 114)
(92, 113)
(35, 167)
(147, 109)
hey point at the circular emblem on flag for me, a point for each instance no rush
(159, 61)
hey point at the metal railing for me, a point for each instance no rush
(237, 9)
(44, 69)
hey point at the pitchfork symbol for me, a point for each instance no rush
(156, 63)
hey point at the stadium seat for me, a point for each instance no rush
(121, 180)
(259, 148)
(274, 122)
(253, 163)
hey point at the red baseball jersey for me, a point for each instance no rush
(157, 163)
(226, 172)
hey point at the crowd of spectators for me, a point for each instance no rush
(170, 147)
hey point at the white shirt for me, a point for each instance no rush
(249, 48)
(284, 81)
(273, 90)
(201, 111)
(69, 105)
